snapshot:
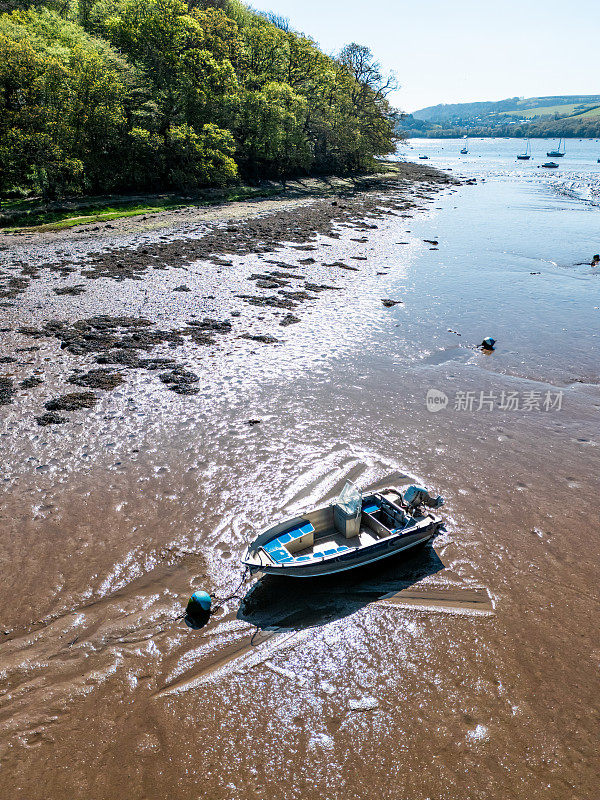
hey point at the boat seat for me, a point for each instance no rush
(300, 529)
(276, 552)
(299, 537)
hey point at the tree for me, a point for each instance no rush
(270, 131)
(359, 61)
(154, 94)
(368, 91)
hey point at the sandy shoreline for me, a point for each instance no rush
(69, 263)
(297, 192)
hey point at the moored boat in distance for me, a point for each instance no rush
(550, 164)
(354, 531)
(558, 153)
(465, 149)
(527, 154)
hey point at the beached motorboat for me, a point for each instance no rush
(550, 164)
(354, 531)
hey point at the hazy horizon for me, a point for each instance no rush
(462, 52)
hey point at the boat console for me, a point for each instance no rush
(383, 516)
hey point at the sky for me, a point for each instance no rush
(461, 51)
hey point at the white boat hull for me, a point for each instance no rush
(337, 565)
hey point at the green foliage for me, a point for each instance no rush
(150, 95)
(270, 129)
(200, 159)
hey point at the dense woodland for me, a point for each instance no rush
(153, 95)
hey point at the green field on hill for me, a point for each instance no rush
(591, 112)
(563, 110)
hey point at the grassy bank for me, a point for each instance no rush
(37, 217)
(34, 216)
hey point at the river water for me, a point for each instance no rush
(110, 522)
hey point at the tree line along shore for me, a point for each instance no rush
(132, 96)
(567, 128)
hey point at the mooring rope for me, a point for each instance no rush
(220, 603)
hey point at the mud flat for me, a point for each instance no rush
(212, 370)
(42, 273)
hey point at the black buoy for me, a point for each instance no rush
(198, 609)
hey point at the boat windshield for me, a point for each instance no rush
(350, 499)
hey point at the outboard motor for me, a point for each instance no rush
(416, 496)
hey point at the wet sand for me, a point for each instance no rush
(468, 670)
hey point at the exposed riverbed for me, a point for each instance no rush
(479, 678)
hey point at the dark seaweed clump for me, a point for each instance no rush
(180, 380)
(259, 337)
(391, 303)
(117, 339)
(289, 319)
(72, 402)
(74, 291)
(7, 391)
(30, 383)
(11, 286)
(97, 379)
(50, 418)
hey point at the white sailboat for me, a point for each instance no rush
(558, 153)
(527, 154)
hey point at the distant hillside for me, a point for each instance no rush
(517, 108)
(561, 115)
